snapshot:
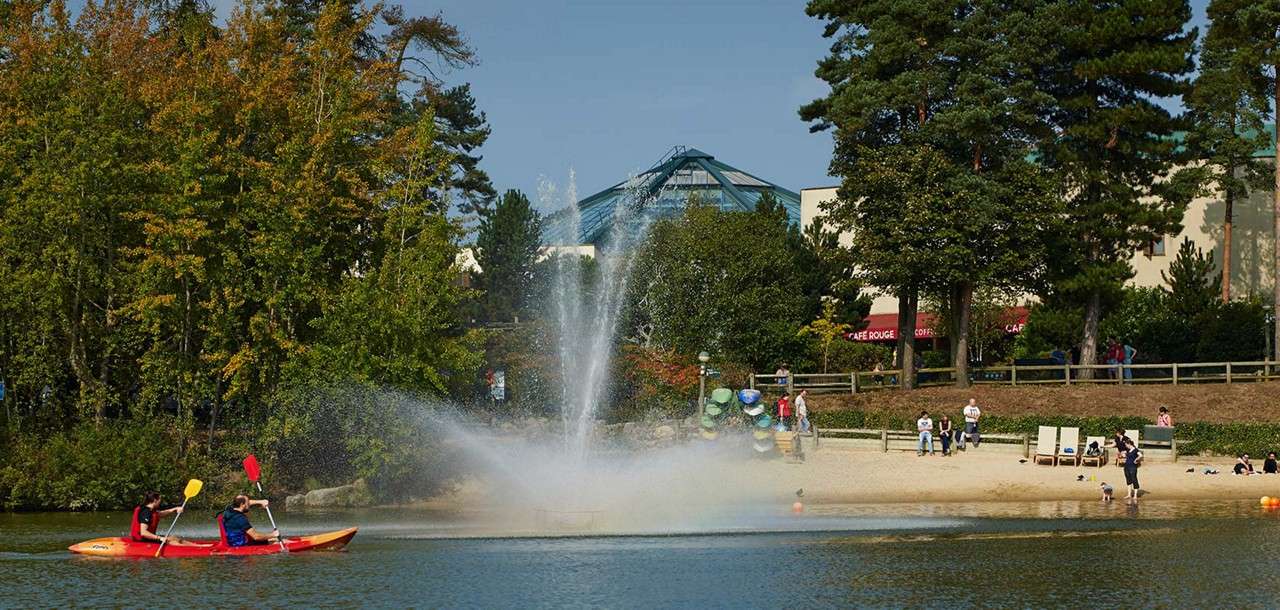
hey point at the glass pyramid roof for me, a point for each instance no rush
(661, 192)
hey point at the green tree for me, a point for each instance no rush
(1193, 285)
(725, 282)
(826, 330)
(1241, 86)
(934, 103)
(506, 249)
(1118, 166)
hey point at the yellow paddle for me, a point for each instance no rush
(193, 488)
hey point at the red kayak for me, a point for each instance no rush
(126, 547)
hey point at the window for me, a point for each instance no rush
(1155, 248)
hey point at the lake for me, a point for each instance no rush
(1060, 554)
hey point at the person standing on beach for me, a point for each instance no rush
(1132, 459)
(924, 426)
(971, 416)
(802, 412)
(784, 410)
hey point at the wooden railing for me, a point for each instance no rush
(1067, 374)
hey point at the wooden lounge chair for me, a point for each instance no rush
(1069, 446)
(1094, 460)
(1047, 445)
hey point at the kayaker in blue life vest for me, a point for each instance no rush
(236, 527)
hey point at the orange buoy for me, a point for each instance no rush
(797, 507)
(1274, 503)
(1265, 501)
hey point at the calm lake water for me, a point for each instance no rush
(1001, 555)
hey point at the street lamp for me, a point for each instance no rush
(703, 358)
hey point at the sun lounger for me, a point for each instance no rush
(1047, 445)
(1069, 446)
(1094, 460)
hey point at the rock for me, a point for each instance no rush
(664, 432)
(355, 494)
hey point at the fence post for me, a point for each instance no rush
(1026, 445)
(853, 382)
(1228, 372)
(1066, 371)
(752, 383)
(1173, 445)
(1175, 373)
(884, 441)
(791, 383)
(1014, 374)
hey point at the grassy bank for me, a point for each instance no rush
(1194, 438)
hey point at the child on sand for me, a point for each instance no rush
(1108, 492)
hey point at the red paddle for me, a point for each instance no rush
(251, 469)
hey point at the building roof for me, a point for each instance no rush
(662, 191)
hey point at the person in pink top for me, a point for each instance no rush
(1163, 418)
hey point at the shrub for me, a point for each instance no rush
(1235, 331)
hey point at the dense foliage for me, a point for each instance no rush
(199, 219)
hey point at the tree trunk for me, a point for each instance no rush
(907, 305)
(961, 308)
(1275, 279)
(1228, 201)
(1089, 344)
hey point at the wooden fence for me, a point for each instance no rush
(1067, 374)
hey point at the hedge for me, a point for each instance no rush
(1194, 438)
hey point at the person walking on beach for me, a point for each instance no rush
(944, 432)
(971, 416)
(1163, 418)
(924, 426)
(1132, 459)
(802, 412)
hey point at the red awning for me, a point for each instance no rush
(884, 326)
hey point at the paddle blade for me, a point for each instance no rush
(251, 468)
(193, 487)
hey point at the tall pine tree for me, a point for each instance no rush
(506, 249)
(1118, 166)
(1242, 56)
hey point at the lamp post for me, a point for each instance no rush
(703, 358)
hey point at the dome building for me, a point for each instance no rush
(663, 191)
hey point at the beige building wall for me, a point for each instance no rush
(1252, 240)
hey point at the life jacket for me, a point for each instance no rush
(240, 539)
(135, 526)
(222, 531)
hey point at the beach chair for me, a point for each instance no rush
(1047, 445)
(1069, 446)
(1094, 460)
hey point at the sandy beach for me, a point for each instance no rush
(852, 476)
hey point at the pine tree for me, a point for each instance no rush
(1193, 286)
(935, 107)
(1242, 61)
(1117, 164)
(506, 249)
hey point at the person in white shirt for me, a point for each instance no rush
(802, 412)
(924, 426)
(971, 415)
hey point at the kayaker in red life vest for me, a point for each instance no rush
(145, 526)
(236, 526)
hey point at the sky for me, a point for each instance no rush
(606, 87)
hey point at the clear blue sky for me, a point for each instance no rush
(605, 87)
